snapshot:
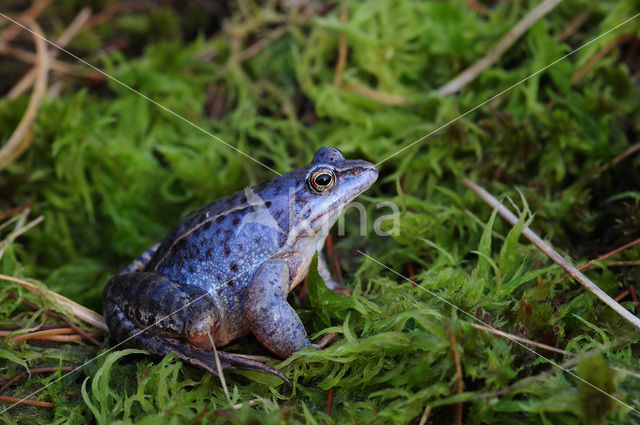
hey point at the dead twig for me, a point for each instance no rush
(586, 179)
(22, 135)
(596, 58)
(27, 80)
(589, 265)
(27, 401)
(553, 254)
(36, 8)
(622, 295)
(17, 210)
(497, 50)
(85, 335)
(37, 370)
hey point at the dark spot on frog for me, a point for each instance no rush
(191, 269)
(207, 226)
(227, 251)
(268, 204)
(220, 218)
(228, 233)
(218, 231)
(209, 252)
(236, 221)
(234, 267)
(240, 247)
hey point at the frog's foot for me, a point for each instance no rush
(205, 359)
(149, 311)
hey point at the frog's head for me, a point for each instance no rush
(303, 204)
(325, 187)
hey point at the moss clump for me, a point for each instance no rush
(111, 173)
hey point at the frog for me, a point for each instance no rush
(226, 269)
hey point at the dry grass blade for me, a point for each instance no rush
(36, 370)
(223, 381)
(342, 48)
(495, 52)
(553, 254)
(79, 311)
(36, 8)
(425, 416)
(520, 339)
(376, 95)
(54, 65)
(27, 80)
(14, 235)
(39, 334)
(22, 135)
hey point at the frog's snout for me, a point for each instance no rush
(366, 172)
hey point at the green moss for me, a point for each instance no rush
(112, 173)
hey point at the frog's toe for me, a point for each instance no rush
(206, 360)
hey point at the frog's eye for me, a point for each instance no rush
(321, 179)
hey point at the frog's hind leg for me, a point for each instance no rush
(149, 311)
(141, 261)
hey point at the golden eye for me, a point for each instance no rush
(322, 179)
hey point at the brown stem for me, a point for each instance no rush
(329, 400)
(17, 400)
(456, 358)
(596, 58)
(37, 370)
(618, 250)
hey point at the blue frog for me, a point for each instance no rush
(226, 270)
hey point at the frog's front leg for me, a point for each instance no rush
(271, 319)
(148, 311)
(325, 273)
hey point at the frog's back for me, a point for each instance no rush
(218, 246)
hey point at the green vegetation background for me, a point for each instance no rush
(112, 173)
